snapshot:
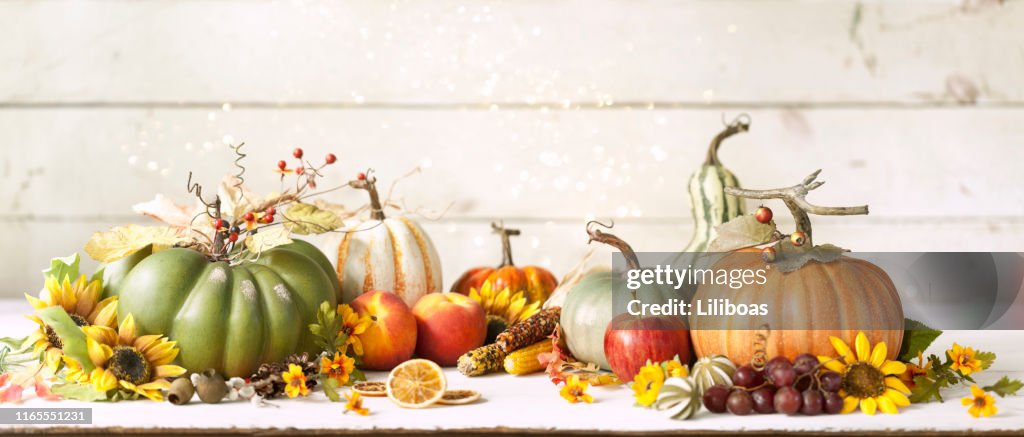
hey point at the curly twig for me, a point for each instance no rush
(601, 237)
(239, 156)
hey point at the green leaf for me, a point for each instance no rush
(16, 345)
(1005, 387)
(61, 268)
(916, 339)
(741, 232)
(326, 329)
(986, 358)
(78, 392)
(925, 390)
(305, 219)
(331, 389)
(70, 334)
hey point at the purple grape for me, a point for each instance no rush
(715, 398)
(782, 374)
(747, 377)
(740, 403)
(804, 364)
(833, 403)
(812, 402)
(774, 362)
(764, 400)
(831, 381)
(787, 400)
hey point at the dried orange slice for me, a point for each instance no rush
(416, 384)
(371, 389)
(459, 397)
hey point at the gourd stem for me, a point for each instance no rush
(627, 251)
(369, 183)
(795, 199)
(218, 236)
(740, 124)
(506, 244)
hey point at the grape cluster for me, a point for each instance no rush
(797, 387)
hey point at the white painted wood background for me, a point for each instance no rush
(543, 113)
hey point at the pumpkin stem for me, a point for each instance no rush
(369, 183)
(795, 199)
(627, 251)
(506, 244)
(740, 124)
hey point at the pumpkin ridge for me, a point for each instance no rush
(422, 245)
(205, 302)
(342, 257)
(396, 260)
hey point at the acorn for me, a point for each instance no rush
(181, 391)
(211, 387)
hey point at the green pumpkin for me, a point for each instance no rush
(228, 318)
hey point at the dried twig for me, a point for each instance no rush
(795, 199)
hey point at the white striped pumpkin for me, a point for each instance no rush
(391, 254)
(709, 204)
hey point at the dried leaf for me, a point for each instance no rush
(790, 258)
(163, 209)
(741, 232)
(236, 198)
(338, 210)
(305, 219)
(125, 240)
(267, 239)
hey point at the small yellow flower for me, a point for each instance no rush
(674, 368)
(355, 404)
(647, 384)
(295, 381)
(869, 379)
(575, 390)
(338, 369)
(964, 360)
(982, 404)
(353, 325)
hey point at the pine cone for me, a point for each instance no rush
(268, 382)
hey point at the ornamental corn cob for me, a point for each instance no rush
(484, 359)
(525, 360)
(536, 328)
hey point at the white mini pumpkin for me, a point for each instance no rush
(712, 370)
(678, 398)
(391, 254)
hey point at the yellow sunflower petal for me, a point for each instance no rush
(878, 354)
(162, 353)
(975, 411)
(102, 334)
(863, 347)
(842, 349)
(886, 405)
(892, 367)
(897, 398)
(896, 384)
(977, 391)
(105, 313)
(126, 332)
(833, 364)
(99, 353)
(966, 400)
(36, 303)
(169, 371)
(868, 406)
(103, 380)
(54, 357)
(849, 404)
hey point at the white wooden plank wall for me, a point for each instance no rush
(543, 113)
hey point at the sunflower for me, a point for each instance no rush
(964, 360)
(869, 380)
(981, 403)
(504, 304)
(353, 325)
(136, 364)
(81, 300)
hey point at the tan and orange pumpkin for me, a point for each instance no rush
(828, 296)
(535, 282)
(393, 254)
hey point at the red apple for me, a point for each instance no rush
(448, 325)
(391, 339)
(629, 341)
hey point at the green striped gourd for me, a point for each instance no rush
(709, 204)
(678, 398)
(712, 370)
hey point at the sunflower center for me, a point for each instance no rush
(979, 402)
(863, 380)
(129, 365)
(54, 339)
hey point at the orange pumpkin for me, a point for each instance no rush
(828, 296)
(535, 282)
